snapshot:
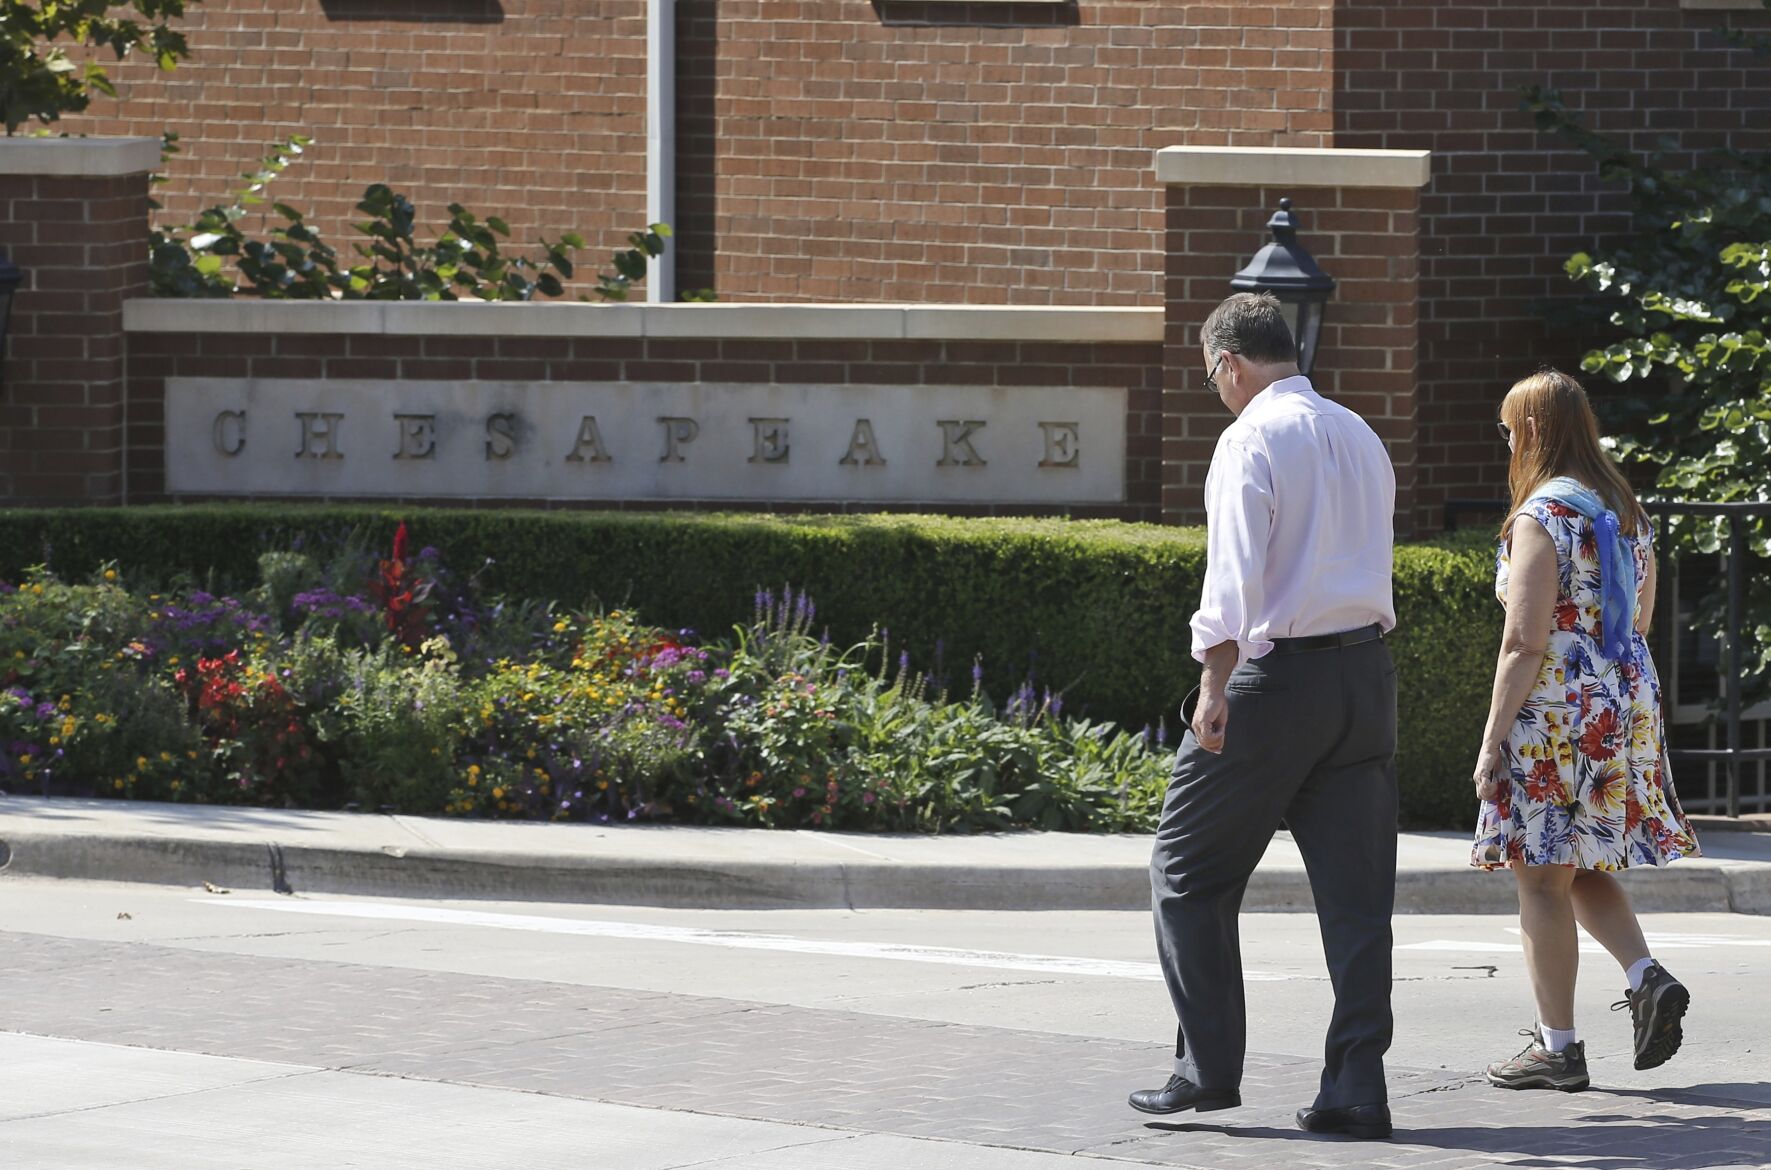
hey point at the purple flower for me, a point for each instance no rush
(697, 677)
(45, 709)
(722, 674)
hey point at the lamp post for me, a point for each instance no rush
(1286, 270)
(10, 276)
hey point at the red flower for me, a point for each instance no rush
(1545, 783)
(402, 596)
(1632, 813)
(1602, 737)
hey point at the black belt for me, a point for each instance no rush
(1371, 633)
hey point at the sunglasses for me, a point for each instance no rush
(1506, 432)
(1211, 379)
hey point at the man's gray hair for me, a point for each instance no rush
(1250, 324)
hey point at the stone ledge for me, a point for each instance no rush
(79, 157)
(1723, 5)
(760, 321)
(1266, 166)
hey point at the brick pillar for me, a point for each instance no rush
(76, 223)
(1358, 212)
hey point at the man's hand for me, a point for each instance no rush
(1212, 716)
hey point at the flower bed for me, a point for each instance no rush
(389, 682)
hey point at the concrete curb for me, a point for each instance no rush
(769, 883)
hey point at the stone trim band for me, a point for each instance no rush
(857, 321)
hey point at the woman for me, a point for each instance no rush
(1572, 776)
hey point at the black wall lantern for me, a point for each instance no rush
(10, 276)
(1284, 269)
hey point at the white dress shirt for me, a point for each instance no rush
(1299, 508)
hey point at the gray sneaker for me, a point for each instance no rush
(1656, 1011)
(1539, 1068)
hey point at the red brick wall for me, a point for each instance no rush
(1507, 206)
(153, 357)
(529, 109)
(1001, 153)
(1367, 238)
(80, 244)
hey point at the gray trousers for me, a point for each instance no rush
(1311, 739)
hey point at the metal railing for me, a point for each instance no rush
(1734, 755)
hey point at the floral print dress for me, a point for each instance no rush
(1590, 786)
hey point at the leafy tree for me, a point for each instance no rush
(1687, 299)
(37, 77)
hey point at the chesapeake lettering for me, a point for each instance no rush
(319, 435)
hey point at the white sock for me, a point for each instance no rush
(1638, 969)
(1557, 1039)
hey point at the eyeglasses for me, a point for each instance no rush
(1211, 379)
(1506, 432)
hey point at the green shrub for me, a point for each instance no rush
(1097, 611)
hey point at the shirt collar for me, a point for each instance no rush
(1297, 384)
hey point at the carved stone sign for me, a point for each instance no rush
(654, 441)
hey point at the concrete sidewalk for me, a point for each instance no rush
(357, 853)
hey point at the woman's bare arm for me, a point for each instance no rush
(1531, 611)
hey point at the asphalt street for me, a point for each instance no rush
(246, 1030)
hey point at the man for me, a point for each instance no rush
(1294, 720)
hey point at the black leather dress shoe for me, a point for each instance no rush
(1181, 1094)
(1360, 1121)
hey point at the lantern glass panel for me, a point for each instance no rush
(1289, 310)
(1308, 332)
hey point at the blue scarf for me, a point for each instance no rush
(1617, 565)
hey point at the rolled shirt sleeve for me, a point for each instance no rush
(1239, 521)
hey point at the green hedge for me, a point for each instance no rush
(1099, 609)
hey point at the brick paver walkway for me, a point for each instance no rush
(850, 1070)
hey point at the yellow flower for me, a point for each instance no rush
(473, 769)
(192, 755)
(173, 661)
(559, 627)
(110, 574)
(117, 783)
(141, 761)
(177, 784)
(528, 696)
(55, 741)
(165, 757)
(473, 781)
(498, 794)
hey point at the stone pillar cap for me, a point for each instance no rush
(79, 157)
(1291, 166)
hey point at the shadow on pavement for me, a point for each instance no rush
(1597, 1142)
